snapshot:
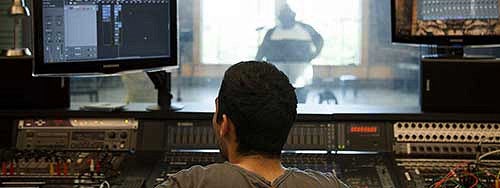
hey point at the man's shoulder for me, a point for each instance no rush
(312, 177)
(193, 176)
(198, 170)
(225, 175)
(308, 173)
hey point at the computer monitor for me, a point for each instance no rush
(446, 22)
(103, 36)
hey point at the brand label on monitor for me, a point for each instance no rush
(457, 40)
(111, 66)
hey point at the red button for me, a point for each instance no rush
(11, 168)
(4, 168)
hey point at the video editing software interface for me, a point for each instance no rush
(98, 30)
(447, 17)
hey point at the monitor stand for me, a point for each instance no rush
(452, 52)
(162, 82)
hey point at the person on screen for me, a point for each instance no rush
(291, 46)
(252, 119)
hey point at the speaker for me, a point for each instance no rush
(19, 90)
(460, 85)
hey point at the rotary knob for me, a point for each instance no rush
(123, 135)
(112, 135)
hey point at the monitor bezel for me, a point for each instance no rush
(108, 67)
(439, 40)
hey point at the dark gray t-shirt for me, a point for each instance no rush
(227, 175)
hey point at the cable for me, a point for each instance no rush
(449, 175)
(476, 179)
(486, 172)
(479, 146)
(488, 165)
(497, 180)
(487, 154)
(458, 184)
(444, 179)
(105, 183)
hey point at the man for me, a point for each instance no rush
(255, 110)
(291, 46)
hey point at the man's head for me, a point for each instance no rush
(256, 108)
(286, 17)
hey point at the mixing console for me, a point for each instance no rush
(43, 168)
(445, 138)
(449, 173)
(174, 162)
(447, 154)
(199, 135)
(358, 136)
(368, 170)
(78, 152)
(357, 171)
(100, 152)
(405, 154)
(77, 134)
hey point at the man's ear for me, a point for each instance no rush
(226, 125)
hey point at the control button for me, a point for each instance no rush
(112, 135)
(123, 135)
(39, 123)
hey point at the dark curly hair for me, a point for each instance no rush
(261, 103)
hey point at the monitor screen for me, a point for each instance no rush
(104, 36)
(446, 21)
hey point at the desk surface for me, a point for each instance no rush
(197, 112)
